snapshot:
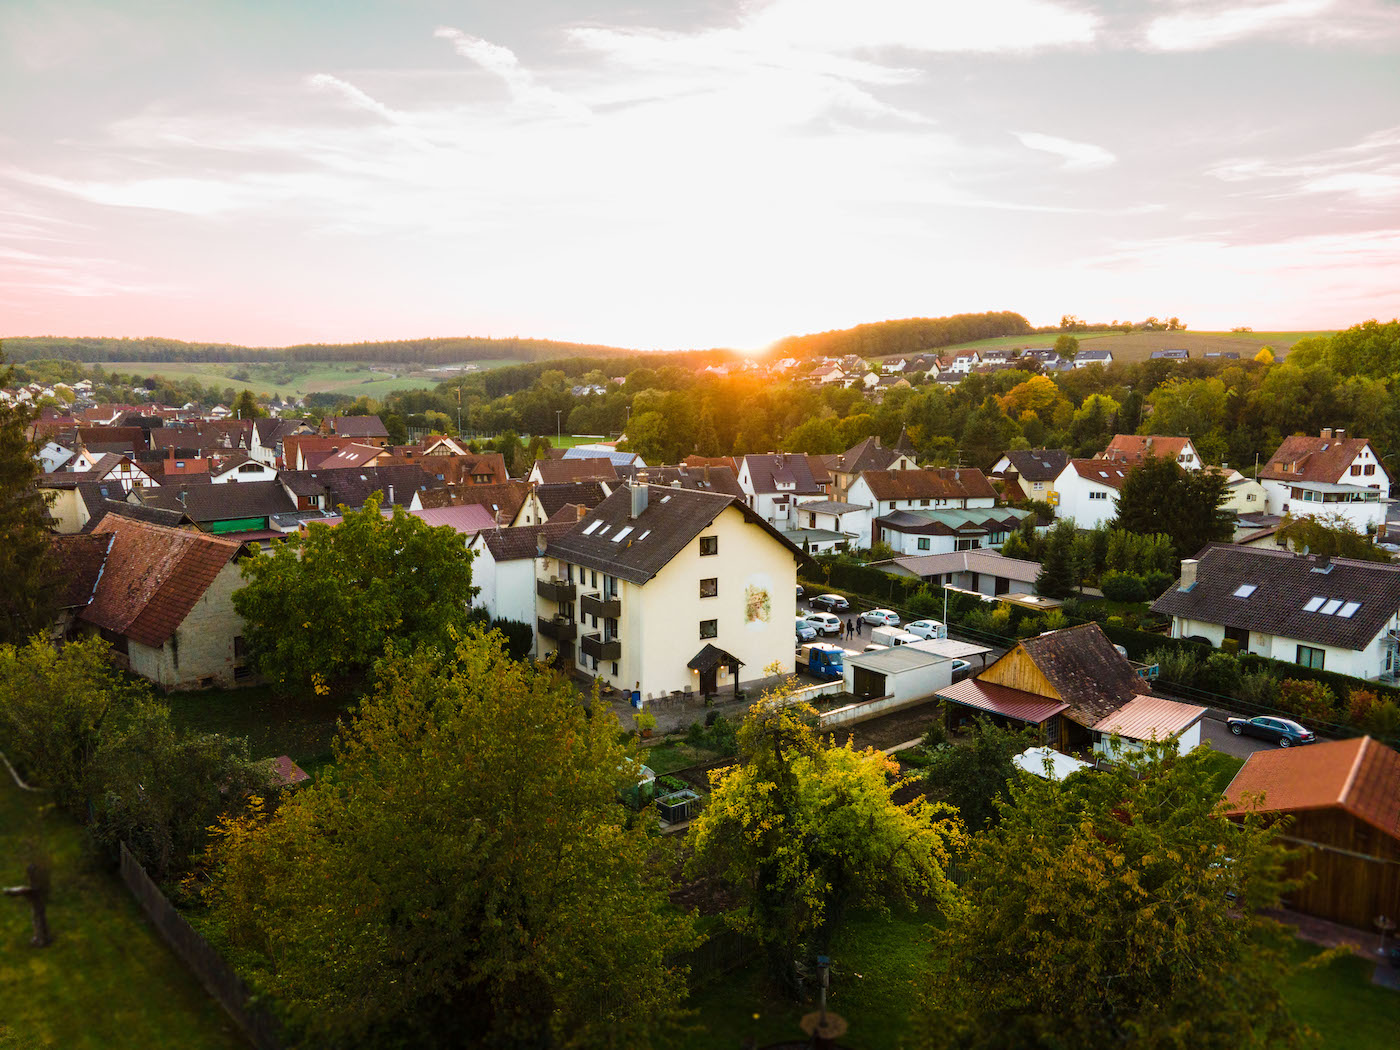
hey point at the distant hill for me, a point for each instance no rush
(911, 335)
(407, 351)
(1130, 347)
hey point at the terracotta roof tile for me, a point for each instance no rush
(1318, 459)
(947, 483)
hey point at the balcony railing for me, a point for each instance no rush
(594, 605)
(558, 591)
(558, 628)
(601, 648)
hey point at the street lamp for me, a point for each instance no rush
(558, 427)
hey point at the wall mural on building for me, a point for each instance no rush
(758, 603)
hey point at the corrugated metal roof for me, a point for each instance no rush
(1002, 700)
(1150, 717)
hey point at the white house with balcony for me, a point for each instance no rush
(774, 483)
(1330, 476)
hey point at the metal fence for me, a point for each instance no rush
(213, 971)
(722, 951)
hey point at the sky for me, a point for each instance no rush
(691, 173)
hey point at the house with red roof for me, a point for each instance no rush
(1132, 449)
(1328, 476)
(164, 600)
(1086, 491)
(1341, 799)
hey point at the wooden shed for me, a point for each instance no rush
(1344, 800)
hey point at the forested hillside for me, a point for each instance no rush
(911, 335)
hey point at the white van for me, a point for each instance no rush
(892, 636)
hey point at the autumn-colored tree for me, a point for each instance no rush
(1115, 908)
(467, 877)
(323, 605)
(803, 830)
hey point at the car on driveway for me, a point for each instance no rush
(881, 617)
(927, 629)
(800, 591)
(830, 602)
(825, 623)
(961, 669)
(1282, 731)
(805, 631)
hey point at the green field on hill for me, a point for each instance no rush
(354, 379)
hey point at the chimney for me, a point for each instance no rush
(582, 511)
(181, 495)
(391, 495)
(1188, 574)
(1341, 434)
(707, 475)
(639, 499)
(1327, 433)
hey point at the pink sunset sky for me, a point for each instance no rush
(692, 173)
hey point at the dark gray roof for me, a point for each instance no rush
(715, 479)
(671, 519)
(1284, 585)
(557, 495)
(522, 541)
(768, 470)
(353, 485)
(358, 426)
(244, 499)
(1039, 464)
(151, 515)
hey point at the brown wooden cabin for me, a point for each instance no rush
(1344, 800)
(1065, 682)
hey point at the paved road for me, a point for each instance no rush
(1220, 737)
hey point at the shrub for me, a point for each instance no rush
(1055, 620)
(924, 602)
(695, 735)
(1175, 664)
(1259, 688)
(937, 732)
(723, 737)
(1122, 587)
(1310, 701)
(1154, 583)
(1030, 627)
(645, 720)
(1359, 704)
(1219, 674)
(1383, 720)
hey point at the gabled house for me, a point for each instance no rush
(983, 571)
(1034, 470)
(1086, 491)
(364, 430)
(1170, 355)
(1085, 358)
(1331, 475)
(620, 460)
(235, 469)
(355, 456)
(504, 568)
(1342, 802)
(888, 491)
(53, 456)
(486, 468)
(556, 471)
(775, 482)
(1066, 682)
(965, 360)
(865, 455)
(543, 502)
(502, 501)
(242, 510)
(1333, 614)
(400, 485)
(1244, 496)
(165, 601)
(661, 590)
(703, 478)
(945, 531)
(1132, 449)
(265, 442)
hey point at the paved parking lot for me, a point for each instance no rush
(1220, 737)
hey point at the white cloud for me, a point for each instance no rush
(1200, 26)
(350, 93)
(1367, 185)
(1077, 156)
(1367, 170)
(503, 63)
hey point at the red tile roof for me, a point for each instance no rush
(1134, 448)
(948, 483)
(553, 471)
(1102, 471)
(1322, 459)
(1359, 776)
(153, 578)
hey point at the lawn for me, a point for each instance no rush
(108, 982)
(877, 961)
(1223, 769)
(299, 726)
(670, 755)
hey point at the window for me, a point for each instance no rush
(249, 468)
(1348, 610)
(709, 545)
(610, 586)
(1310, 657)
(923, 503)
(1098, 495)
(1314, 604)
(709, 588)
(1244, 590)
(709, 628)
(614, 670)
(966, 545)
(1370, 469)
(1355, 470)
(1330, 609)
(924, 543)
(593, 577)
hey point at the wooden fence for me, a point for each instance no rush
(217, 976)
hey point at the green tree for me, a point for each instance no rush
(1066, 346)
(971, 777)
(802, 831)
(1096, 914)
(26, 564)
(323, 605)
(467, 877)
(246, 406)
(1159, 496)
(1333, 536)
(1056, 578)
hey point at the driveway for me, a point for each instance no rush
(1218, 733)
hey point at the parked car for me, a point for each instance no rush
(800, 591)
(805, 631)
(830, 602)
(961, 669)
(881, 617)
(927, 629)
(1282, 731)
(825, 623)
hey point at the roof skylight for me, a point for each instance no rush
(591, 526)
(1331, 607)
(1244, 590)
(622, 534)
(1348, 610)
(1313, 605)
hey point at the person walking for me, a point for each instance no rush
(850, 630)
(860, 627)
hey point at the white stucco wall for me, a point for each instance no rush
(1076, 503)
(1369, 662)
(202, 646)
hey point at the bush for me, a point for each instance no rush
(924, 602)
(1383, 720)
(1122, 587)
(1175, 665)
(1219, 674)
(1259, 688)
(937, 732)
(723, 737)
(695, 735)
(645, 720)
(1154, 583)
(1310, 701)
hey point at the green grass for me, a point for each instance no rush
(1223, 769)
(352, 378)
(300, 726)
(1138, 346)
(670, 755)
(1339, 1002)
(108, 982)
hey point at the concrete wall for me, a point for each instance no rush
(68, 510)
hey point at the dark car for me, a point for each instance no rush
(1282, 731)
(830, 602)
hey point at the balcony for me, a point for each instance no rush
(601, 648)
(560, 592)
(558, 628)
(594, 605)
